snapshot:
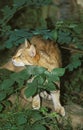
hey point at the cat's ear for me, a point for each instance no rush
(27, 44)
(32, 51)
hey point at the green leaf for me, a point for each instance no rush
(50, 86)
(28, 127)
(14, 127)
(72, 25)
(51, 77)
(21, 127)
(8, 14)
(38, 127)
(17, 37)
(58, 71)
(21, 119)
(36, 115)
(20, 77)
(64, 37)
(6, 84)
(31, 90)
(1, 107)
(19, 3)
(40, 79)
(7, 103)
(54, 74)
(74, 62)
(44, 110)
(54, 35)
(7, 126)
(6, 10)
(2, 95)
(35, 70)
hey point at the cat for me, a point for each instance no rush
(40, 52)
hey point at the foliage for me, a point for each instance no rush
(69, 36)
(74, 89)
(29, 119)
(32, 120)
(43, 80)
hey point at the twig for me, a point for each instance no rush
(72, 49)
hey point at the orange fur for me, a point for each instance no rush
(47, 53)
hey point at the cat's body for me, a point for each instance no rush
(43, 53)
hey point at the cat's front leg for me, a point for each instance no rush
(56, 102)
(36, 102)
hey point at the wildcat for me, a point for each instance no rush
(40, 52)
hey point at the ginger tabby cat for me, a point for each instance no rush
(43, 53)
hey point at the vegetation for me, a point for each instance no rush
(69, 36)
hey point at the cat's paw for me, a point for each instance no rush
(60, 110)
(36, 102)
(45, 95)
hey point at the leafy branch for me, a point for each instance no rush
(42, 81)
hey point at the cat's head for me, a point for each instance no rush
(26, 55)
